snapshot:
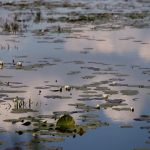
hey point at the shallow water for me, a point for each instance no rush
(118, 51)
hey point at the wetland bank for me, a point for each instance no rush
(74, 75)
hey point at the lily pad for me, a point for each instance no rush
(90, 120)
(85, 99)
(141, 119)
(2, 131)
(88, 77)
(121, 75)
(53, 148)
(3, 95)
(89, 92)
(111, 92)
(121, 109)
(49, 116)
(11, 91)
(129, 92)
(6, 76)
(76, 104)
(11, 98)
(126, 126)
(145, 127)
(42, 87)
(102, 88)
(106, 105)
(89, 116)
(66, 122)
(36, 146)
(63, 134)
(2, 142)
(18, 86)
(98, 124)
(145, 116)
(51, 139)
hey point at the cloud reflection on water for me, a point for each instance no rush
(114, 42)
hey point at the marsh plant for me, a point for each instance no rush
(10, 27)
(38, 16)
(6, 26)
(15, 27)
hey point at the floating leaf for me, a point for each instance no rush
(53, 148)
(2, 142)
(129, 92)
(76, 104)
(102, 88)
(3, 95)
(145, 116)
(66, 122)
(18, 86)
(12, 120)
(42, 87)
(89, 116)
(126, 126)
(121, 109)
(2, 131)
(11, 98)
(106, 105)
(36, 146)
(80, 131)
(90, 120)
(51, 139)
(6, 76)
(85, 99)
(141, 149)
(63, 134)
(88, 77)
(141, 119)
(111, 92)
(98, 124)
(49, 116)
(45, 132)
(86, 96)
(121, 75)
(73, 72)
(11, 91)
(89, 92)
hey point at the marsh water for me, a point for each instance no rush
(97, 48)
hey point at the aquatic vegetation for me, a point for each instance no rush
(68, 29)
(38, 16)
(129, 92)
